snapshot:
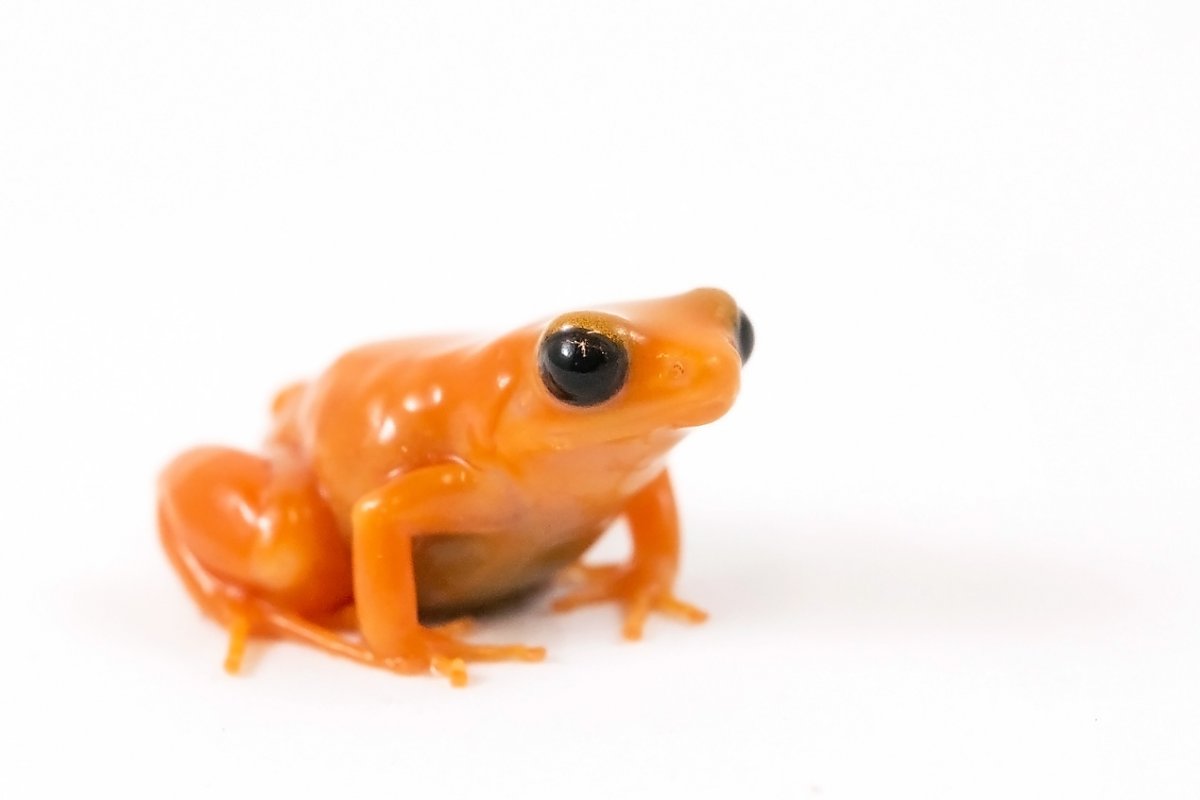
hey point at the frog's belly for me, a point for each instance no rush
(462, 573)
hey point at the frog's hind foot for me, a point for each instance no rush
(256, 548)
(437, 649)
(258, 551)
(244, 619)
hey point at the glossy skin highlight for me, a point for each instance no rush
(435, 477)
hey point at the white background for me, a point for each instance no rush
(950, 535)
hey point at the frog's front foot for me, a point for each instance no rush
(441, 650)
(638, 591)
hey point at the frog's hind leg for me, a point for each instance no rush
(257, 548)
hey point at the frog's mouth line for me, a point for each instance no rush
(642, 429)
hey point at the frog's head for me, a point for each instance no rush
(632, 370)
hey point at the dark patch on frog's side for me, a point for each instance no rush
(470, 574)
(492, 608)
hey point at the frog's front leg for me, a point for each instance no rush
(442, 499)
(646, 583)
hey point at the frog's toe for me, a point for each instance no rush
(685, 612)
(650, 599)
(490, 652)
(239, 633)
(442, 651)
(453, 668)
(638, 593)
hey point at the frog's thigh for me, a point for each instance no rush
(255, 525)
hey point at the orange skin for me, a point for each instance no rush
(439, 476)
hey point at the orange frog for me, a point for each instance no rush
(437, 477)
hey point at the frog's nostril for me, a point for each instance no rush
(745, 336)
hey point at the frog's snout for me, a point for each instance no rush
(744, 335)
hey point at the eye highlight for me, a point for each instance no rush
(582, 367)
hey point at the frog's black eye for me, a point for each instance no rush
(582, 367)
(745, 336)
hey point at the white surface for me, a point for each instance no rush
(950, 536)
